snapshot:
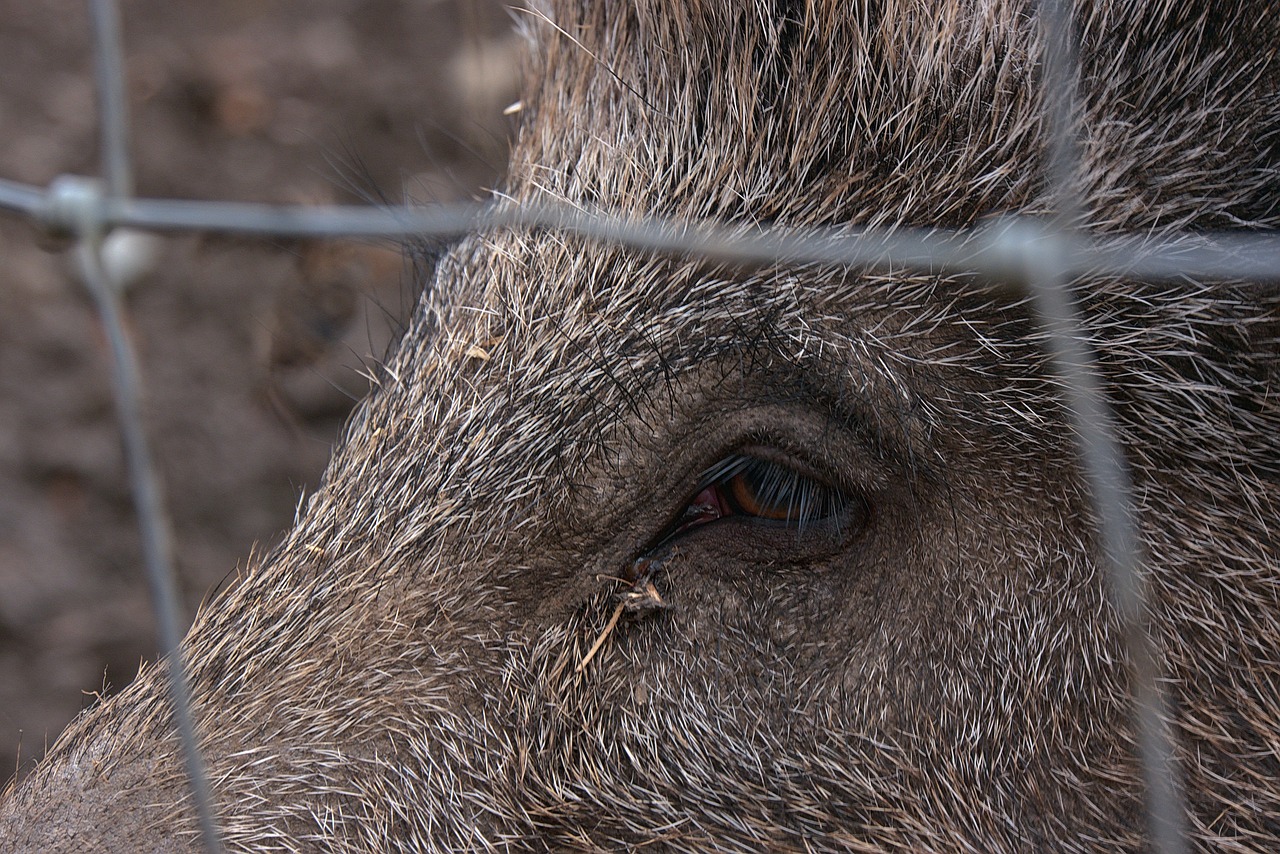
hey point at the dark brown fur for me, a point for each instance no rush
(402, 673)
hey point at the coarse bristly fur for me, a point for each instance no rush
(405, 672)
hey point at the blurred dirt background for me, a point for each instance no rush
(252, 350)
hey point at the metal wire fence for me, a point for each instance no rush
(1041, 256)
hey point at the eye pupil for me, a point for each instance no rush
(748, 496)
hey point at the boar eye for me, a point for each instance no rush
(749, 487)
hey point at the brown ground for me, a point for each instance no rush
(252, 350)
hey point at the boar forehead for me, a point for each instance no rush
(896, 112)
(403, 667)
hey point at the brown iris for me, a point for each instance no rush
(754, 488)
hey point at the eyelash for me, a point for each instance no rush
(754, 488)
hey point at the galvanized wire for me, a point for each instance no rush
(148, 495)
(153, 524)
(113, 103)
(1047, 256)
(1101, 455)
(998, 250)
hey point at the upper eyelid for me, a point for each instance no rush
(756, 454)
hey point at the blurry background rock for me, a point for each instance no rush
(253, 351)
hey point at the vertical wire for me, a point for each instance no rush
(1101, 455)
(113, 106)
(148, 497)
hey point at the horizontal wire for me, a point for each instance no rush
(1000, 249)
